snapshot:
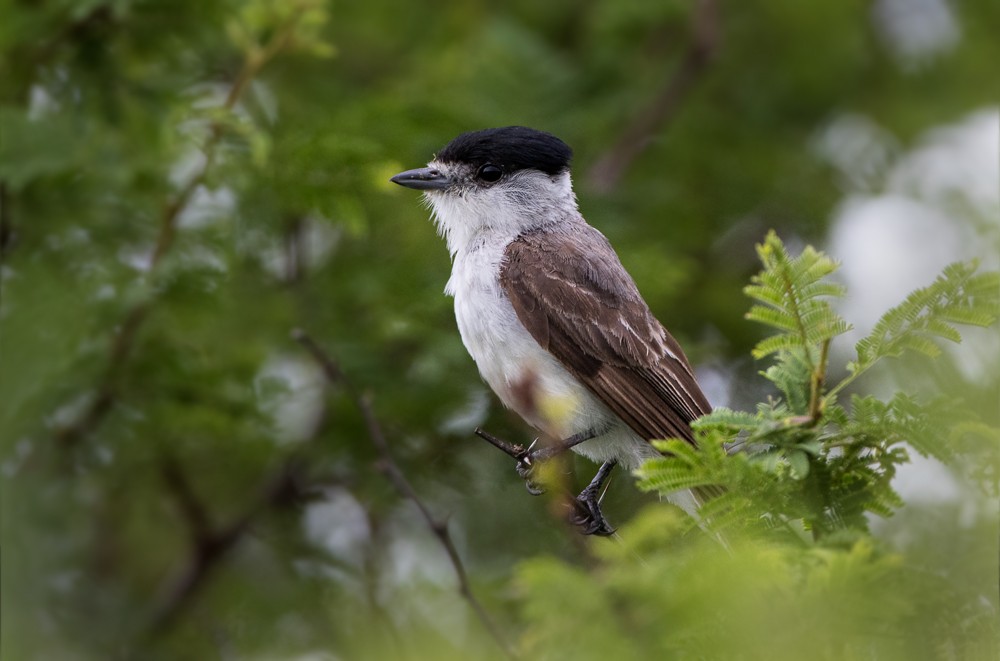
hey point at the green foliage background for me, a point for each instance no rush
(184, 183)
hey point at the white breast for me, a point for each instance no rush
(507, 356)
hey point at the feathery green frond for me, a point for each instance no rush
(793, 294)
(959, 295)
(790, 373)
(932, 428)
(807, 461)
(728, 421)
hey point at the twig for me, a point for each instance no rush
(513, 450)
(6, 230)
(92, 24)
(124, 339)
(100, 405)
(210, 544)
(816, 379)
(295, 248)
(526, 459)
(388, 467)
(605, 174)
(525, 455)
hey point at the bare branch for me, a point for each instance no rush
(191, 507)
(388, 467)
(605, 174)
(515, 451)
(210, 545)
(124, 339)
(6, 229)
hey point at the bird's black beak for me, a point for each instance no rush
(423, 179)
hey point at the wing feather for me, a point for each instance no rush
(574, 297)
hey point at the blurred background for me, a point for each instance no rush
(183, 184)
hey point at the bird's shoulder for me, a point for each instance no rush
(571, 258)
(568, 284)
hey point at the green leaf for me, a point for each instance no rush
(792, 295)
(727, 420)
(798, 461)
(959, 295)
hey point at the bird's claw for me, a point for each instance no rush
(588, 515)
(525, 468)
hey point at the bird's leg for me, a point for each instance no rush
(588, 513)
(527, 458)
(541, 454)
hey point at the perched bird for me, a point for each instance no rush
(541, 298)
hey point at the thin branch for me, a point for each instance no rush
(252, 65)
(6, 229)
(605, 174)
(295, 248)
(124, 339)
(515, 451)
(191, 507)
(527, 456)
(30, 60)
(209, 545)
(388, 467)
(817, 377)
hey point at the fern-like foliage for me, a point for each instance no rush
(792, 298)
(960, 295)
(805, 464)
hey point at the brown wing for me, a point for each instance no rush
(575, 298)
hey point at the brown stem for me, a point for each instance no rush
(124, 340)
(512, 450)
(210, 545)
(6, 230)
(605, 174)
(817, 377)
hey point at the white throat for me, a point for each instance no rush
(529, 199)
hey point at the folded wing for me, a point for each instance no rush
(574, 297)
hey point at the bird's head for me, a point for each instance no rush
(505, 180)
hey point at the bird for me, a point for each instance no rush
(542, 302)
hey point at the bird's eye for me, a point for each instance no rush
(489, 173)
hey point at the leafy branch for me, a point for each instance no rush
(792, 297)
(209, 543)
(811, 464)
(960, 295)
(255, 58)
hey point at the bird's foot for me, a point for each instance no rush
(587, 512)
(587, 515)
(529, 458)
(526, 469)
(525, 458)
